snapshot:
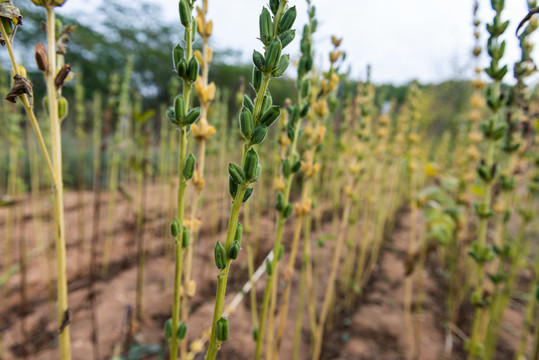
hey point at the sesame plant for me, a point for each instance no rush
(292, 164)
(48, 60)
(182, 116)
(202, 131)
(493, 130)
(255, 118)
(510, 250)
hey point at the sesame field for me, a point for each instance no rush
(162, 197)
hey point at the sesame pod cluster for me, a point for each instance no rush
(178, 114)
(180, 334)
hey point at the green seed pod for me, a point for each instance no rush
(219, 254)
(284, 61)
(309, 63)
(288, 211)
(270, 115)
(305, 89)
(286, 168)
(287, 37)
(248, 103)
(269, 267)
(185, 237)
(304, 111)
(63, 108)
(234, 250)
(255, 333)
(172, 116)
(247, 194)
(259, 134)
(185, 13)
(247, 123)
(177, 55)
(250, 164)
(288, 19)
(239, 233)
(266, 26)
(181, 68)
(192, 116)
(236, 173)
(273, 54)
(222, 329)
(281, 252)
(274, 6)
(192, 69)
(279, 205)
(290, 130)
(257, 78)
(267, 101)
(305, 44)
(296, 166)
(7, 25)
(175, 227)
(232, 187)
(179, 108)
(189, 167)
(294, 114)
(258, 172)
(168, 329)
(182, 330)
(258, 60)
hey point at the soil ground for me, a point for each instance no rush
(373, 329)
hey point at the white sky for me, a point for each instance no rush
(428, 40)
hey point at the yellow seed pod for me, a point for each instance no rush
(306, 206)
(209, 54)
(191, 288)
(210, 92)
(208, 29)
(197, 346)
(321, 131)
(473, 153)
(334, 81)
(336, 41)
(334, 56)
(278, 184)
(475, 137)
(199, 90)
(475, 116)
(192, 225)
(478, 84)
(198, 181)
(200, 24)
(477, 101)
(308, 131)
(321, 108)
(431, 169)
(198, 56)
(297, 210)
(284, 140)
